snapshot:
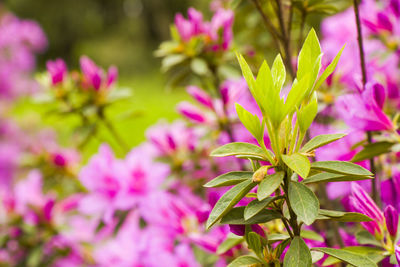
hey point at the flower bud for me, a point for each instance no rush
(392, 220)
(259, 175)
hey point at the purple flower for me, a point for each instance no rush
(200, 96)
(218, 33)
(57, 70)
(93, 76)
(392, 220)
(192, 112)
(363, 111)
(222, 21)
(361, 202)
(239, 229)
(397, 253)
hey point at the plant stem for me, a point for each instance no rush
(375, 193)
(302, 24)
(276, 36)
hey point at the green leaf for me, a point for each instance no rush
(199, 66)
(364, 237)
(229, 243)
(341, 167)
(268, 96)
(296, 94)
(269, 184)
(256, 206)
(228, 200)
(236, 216)
(309, 60)
(251, 122)
(342, 216)
(393, 259)
(304, 202)
(307, 234)
(307, 113)
(171, 60)
(297, 163)
(316, 256)
(298, 254)
(329, 70)
(333, 177)
(355, 259)
(278, 73)
(272, 238)
(243, 261)
(230, 178)
(372, 150)
(254, 243)
(240, 149)
(320, 140)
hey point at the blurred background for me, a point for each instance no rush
(121, 32)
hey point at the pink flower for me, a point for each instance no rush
(361, 202)
(392, 220)
(192, 112)
(222, 21)
(57, 70)
(200, 96)
(218, 31)
(363, 111)
(94, 76)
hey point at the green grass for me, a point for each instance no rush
(149, 103)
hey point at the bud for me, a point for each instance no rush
(259, 175)
(392, 220)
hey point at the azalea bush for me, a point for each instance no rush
(286, 154)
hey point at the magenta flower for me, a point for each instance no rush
(222, 21)
(218, 33)
(392, 220)
(192, 112)
(57, 70)
(361, 202)
(200, 96)
(363, 111)
(240, 229)
(174, 139)
(192, 27)
(94, 76)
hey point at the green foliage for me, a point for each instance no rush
(321, 140)
(298, 254)
(256, 206)
(251, 122)
(236, 216)
(286, 121)
(341, 167)
(304, 202)
(229, 243)
(245, 261)
(240, 149)
(325, 177)
(373, 150)
(343, 216)
(269, 185)
(228, 200)
(297, 163)
(230, 178)
(346, 256)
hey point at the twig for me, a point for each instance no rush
(375, 193)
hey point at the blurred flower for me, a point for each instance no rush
(57, 70)
(94, 76)
(364, 111)
(20, 40)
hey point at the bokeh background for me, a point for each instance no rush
(121, 32)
